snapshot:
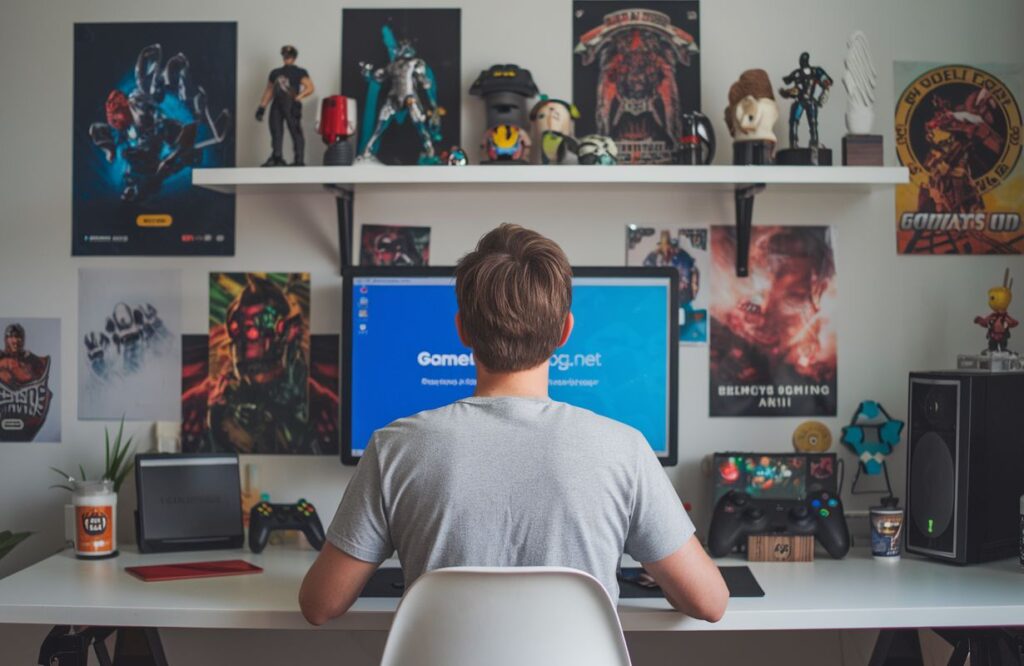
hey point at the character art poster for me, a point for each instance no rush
(383, 245)
(636, 71)
(128, 344)
(687, 251)
(30, 380)
(773, 334)
(322, 435)
(151, 102)
(958, 131)
(391, 56)
(259, 361)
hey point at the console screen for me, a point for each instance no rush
(770, 476)
(403, 354)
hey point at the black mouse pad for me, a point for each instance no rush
(389, 583)
(739, 579)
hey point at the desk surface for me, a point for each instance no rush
(853, 593)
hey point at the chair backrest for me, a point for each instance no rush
(506, 616)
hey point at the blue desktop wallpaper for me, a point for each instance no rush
(406, 355)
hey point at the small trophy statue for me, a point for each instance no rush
(808, 86)
(997, 357)
(751, 117)
(860, 147)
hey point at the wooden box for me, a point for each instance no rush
(780, 548)
(862, 150)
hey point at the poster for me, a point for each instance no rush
(322, 435)
(259, 366)
(152, 101)
(30, 380)
(382, 245)
(128, 343)
(958, 131)
(687, 251)
(636, 71)
(773, 334)
(378, 47)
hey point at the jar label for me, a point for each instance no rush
(95, 529)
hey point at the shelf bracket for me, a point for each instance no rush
(744, 196)
(344, 200)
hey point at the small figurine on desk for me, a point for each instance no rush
(505, 90)
(553, 121)
(286, 87)
(999, 322)
(860, 147)
(751, 117)
(808, 87)
(411, 92)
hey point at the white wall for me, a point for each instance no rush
(897, 313)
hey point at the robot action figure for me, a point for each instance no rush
(808, 87)
(286, 87)
(411, 92)
(998, 322)
(155, 146)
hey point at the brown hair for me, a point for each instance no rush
(514, 292)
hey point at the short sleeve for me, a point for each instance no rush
(360, 527)
(658, 524)
(272, 76)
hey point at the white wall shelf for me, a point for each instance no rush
(745, 181)
(304, 179)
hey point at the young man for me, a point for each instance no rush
(509, 477)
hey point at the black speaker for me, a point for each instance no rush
(965, 465)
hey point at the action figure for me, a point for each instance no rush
(154, 145)
(808, 88)
(286, 87)
(24, 391)
(261, 402)
(751, 117)
(553, 121)
(505, 90)
(411, 92)
(998, 322)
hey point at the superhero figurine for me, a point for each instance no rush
(998, 322)
(155, 146)
(287, 86)
(24, 391)
(808, 87)
(505, 90)
(410, 92)
(260, 404)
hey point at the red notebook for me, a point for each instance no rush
(184, 570)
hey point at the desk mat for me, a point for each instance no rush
(389, 583)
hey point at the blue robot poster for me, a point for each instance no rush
(403, 67)
(152, 101)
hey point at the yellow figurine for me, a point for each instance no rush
(998, 322)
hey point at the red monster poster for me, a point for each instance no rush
(384, 245)
(636, 71)
(773, 334)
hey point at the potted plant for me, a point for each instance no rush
(117, 462)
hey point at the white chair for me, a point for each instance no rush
(506, 616)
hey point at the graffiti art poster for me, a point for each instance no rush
(958, 131)
(152, 101)
(773, 333)
(636, 71)
(128, 343)
(686, 250)
(259, 367)
(30, 380)
(320, 438)
(383, 245)
(390, 57)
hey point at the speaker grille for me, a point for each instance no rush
(932, 467)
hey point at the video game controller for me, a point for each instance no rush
(738, 515)
(265, 518)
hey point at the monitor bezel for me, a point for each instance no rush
(348, 303)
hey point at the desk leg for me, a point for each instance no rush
(896, 647)
(986, 647)
(67, 646)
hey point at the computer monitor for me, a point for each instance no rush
(401, 353)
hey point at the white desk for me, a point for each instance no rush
(849, 594)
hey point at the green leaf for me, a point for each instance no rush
(81, 470)
(67, 477)
(59, 485)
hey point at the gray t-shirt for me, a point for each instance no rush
(510, 482)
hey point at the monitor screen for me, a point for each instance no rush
(402, 354)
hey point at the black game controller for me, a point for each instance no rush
(738, 515)
(266, 518)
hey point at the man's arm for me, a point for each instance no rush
(332, 584)
(691, 582)
(306, 88)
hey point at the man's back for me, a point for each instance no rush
(508, 481)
